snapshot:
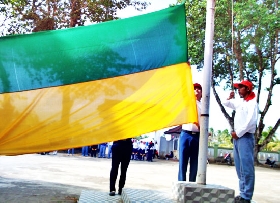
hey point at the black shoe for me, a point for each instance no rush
(120, 192)
(239, 199)
(112, 193)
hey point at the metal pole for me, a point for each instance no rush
(206, 84)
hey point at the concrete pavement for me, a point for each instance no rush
(61, 178)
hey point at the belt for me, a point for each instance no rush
(191, 132)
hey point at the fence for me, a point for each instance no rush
(215, 152)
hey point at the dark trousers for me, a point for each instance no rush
(93, 152)
(121, 153)
(150, 155)
(188, 151)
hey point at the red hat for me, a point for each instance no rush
(197, 85)
(246, 83)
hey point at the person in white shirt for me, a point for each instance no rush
(142, 151)
(134, 150)
(189, 143)
(245, 123)
(156, 151)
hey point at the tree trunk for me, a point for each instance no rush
(75, 13)
(238, 54)
(256, 151)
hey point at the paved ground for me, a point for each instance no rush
(61, 178)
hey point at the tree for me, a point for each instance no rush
(248, 51)
(25, 16)
(273, 145)
(222, 138)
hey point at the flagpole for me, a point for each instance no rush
(206, 84)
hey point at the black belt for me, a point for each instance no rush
(190, 132)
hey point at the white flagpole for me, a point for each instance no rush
(206, 84)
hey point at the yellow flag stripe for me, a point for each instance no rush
(98, 111)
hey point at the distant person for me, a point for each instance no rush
(134, 153)
(150, 150)
(71, 151)
(169, 156)
(121, 154)
(189, 143)
(93, 150)
(85, 151)
(102, 149)
(141, 151)
(245, 122)
(156, 150)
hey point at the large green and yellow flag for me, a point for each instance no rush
(86, 85)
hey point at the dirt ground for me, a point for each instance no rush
(36, 178)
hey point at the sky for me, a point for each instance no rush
(216, 119)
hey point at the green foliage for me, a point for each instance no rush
(195, 13)
(222, 138)
(245, 46)
(25, 16)
(271, 146)
(255, 23)
(265, 133)
(276, 148)
(141, 137)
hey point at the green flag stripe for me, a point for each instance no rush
(110, 49)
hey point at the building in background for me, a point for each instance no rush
(167, 139)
